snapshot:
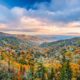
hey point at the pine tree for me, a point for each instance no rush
(66, 72)
(51, 75)
(41, 72)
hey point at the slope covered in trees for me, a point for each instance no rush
(22, 60)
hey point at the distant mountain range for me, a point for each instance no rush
(62, 43)
(21, 37)
(45, 40)
(15, 41)
(37, 38)
(40, 44)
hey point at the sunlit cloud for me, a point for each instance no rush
(3, 26)
(41, 21)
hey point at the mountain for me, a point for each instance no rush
(5, 35)
(37, 38)
(62, 43)
(31, 38)
(53, 38)
(13, 41)
(25, 41)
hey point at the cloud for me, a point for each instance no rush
(17, 11)
(19, 22)
(3, 26)
(43, 20)
(58, 11)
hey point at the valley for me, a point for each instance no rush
(22, 58)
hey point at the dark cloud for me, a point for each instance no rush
(22, 3)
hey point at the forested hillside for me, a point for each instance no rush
(24, 60)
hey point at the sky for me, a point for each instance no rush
(40, 17)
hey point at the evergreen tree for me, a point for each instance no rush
(51, 75)
(66, 72)
(41, 72)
